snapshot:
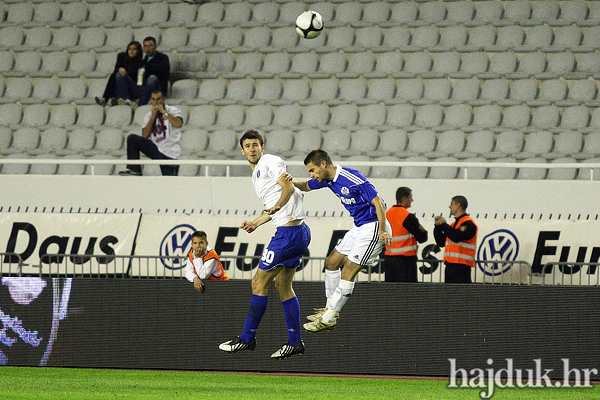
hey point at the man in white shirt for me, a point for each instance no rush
(283, 205)
(203, 263)
(160, 139)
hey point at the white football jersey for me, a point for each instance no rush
(264, 177)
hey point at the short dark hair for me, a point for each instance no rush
(462, 200)
(200, 234)
(157, 91)
(150, 39)
(251, 134)
(402, 192)
(316, 157)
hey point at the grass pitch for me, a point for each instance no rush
(67, 383)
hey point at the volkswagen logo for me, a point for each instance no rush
(500, 245)
(178, 242)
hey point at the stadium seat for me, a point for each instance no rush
(247, 64)
(376, 13)
(508, 143)
(472, 64)
(10, 114)
(363, 141)
(591, 147)
(174, 38)
(532, 173)
(530, 64)
(316, 115)
(80, 140)
(566, 173)
(416, 64)
(268, 90)
(352, 90)
(400, 116)
(184, 89)
(91, 116)
(44, 169)
(372, 115)
(303, 64)
(296, 90)
(344, 115)
(180, 14)
(478, 143)
(72, 14)
(230, 116)
(502, 172)
(575, 117)
(545, 117)
(17, 89)
(480, 38)
(424, 37)
(128, 13)
(37, 38)
(460, 12)
(194, 141)
(487, 117)
(391, 142)
(413, 172)
(516, 117)
(336, 141)
(385, 172)
(580, 91)
(566, 143)
(15, 169)
(348, 13)
(388, 63)
(210, 13)
(537, 143)
(404, 13)
(19, 13)
(410, 90)
(443, 172)
(72, 169)
(381, 90)
(359, 64)
(36, 115)
(279, 141)
(464, 91)
(494, 91)
(368, 38)
(284, 38)
(11, 37)
(474, 172)
(436, 91)
(547, 11)
(518, 10)
(44, 90)
(24, 140)
(503, 63)
(449, 143)
(429, 116)
(509, 37)
(420, 142)
(459, 116)
(452, 38)
(306, 140)
(259, 115)
(239, 90)
(444, 64)
(265, 13)
(211, 89)
(589, 173)
(230, 37)
(288, 116)
(53, 63)
(118, 116)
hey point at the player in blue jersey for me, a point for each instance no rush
(283, 206)
(360, 247)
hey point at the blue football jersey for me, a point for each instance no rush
(355, 193)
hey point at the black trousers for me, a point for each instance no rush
(137, 144)
(457, 273)
(400, 268)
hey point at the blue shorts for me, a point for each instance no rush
(286, 247)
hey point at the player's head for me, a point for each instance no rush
(458, 205)
(317, 163)
(199, 242)
(404, 196)
(150, 46)
(157, 97)
(252, 145)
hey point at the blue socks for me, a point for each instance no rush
(291, 308)
(258, 306)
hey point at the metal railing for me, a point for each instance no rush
(495, 272)
(464, 165)
(11, 264)
(577, 274)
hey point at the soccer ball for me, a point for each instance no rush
(309, 24)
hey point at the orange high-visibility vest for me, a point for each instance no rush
(462, 252)
(208, 256)
(403, 242)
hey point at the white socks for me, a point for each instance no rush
(337, 300)
(332, 280)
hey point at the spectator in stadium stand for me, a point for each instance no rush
(153, 74)
(160, 139)
(203, 263)
(400, 262)
(459, 240)
(128, 64)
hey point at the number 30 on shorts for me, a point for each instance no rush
(268, 256)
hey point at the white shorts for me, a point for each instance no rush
(362, 245)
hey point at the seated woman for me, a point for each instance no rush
(128, 63)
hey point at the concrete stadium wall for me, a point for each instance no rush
(398, 329)
(504, 199)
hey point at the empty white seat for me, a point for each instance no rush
(410, 89)
(487, 116)
(44, 169)
(28, 62)
(385, 172)
(363, 141)
(193, 141)
(155, 13)
(575, 117)
(128, 13)
(478, 143)
(265, 13)
(459, 116)
(533, 173)
(276, 63)
(7, 61)
(72, 169)
(91, 116)
(481, 37)
(501, 64)
(230, 37)
(336, 141)
(418, 63)
(508, 143)
(38, 37)
(473, 64)
(268, 90)
(474, 172)
(24, 140)
(348, 12)
(284, 38)
(566, 143)
(560, 63)
(316, 115)
(545, 117)
(10, 114)
(591, 147)
(210, 13)
(306, 140)
(240, 90)
(304, 63)
(237, 13)
(108, 140)
(323, 90)
(545, 11)
(536, 143)
(36, 115)
(181, 14)
(460, 12)
(404, 12)
(53, 63)
(370, 37)
(15, 169)
(296, 90)
(414, 172)
(389, 63)
(20, 12)
(45, 89)
(391, 142)
(425, 36)
(530, 64)
(518, 10)
(230, 115)
(567, 173)
(445, 63)
(494, 90)
(453, 37)
(259, 115)
(502, 172)
(510, 36)
(205, 115)
(340, 37)
(449, 142)
(582, 90)
(222, 141)
(585, 173)
(523, 90)
(437, 90)
(118, 116)
(464, 91)
(360, 63)
(372, 115)
(429, 115)
(80, 140)
(73, 13)
(381, 89)
(400, 115)
(420, 142)
(288, 115)
(11, 36)
(344, 115)
(279, 141)
(352, 89)
(444, 172)
(211, 89)
(185, 89)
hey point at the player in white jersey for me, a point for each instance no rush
(283, 205)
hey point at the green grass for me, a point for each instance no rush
(66, 383)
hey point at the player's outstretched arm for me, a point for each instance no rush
(250, 226)
(302, 185)
(380, 210)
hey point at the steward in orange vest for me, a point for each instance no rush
(400, 263)
(203, 263)
(459, 240)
